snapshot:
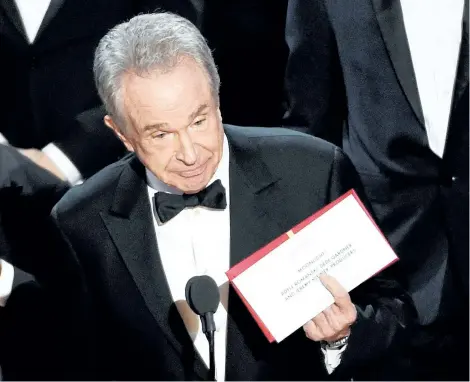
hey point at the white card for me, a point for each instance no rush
(281, 285)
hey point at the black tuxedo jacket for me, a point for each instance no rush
(277, 178)
(48, 86)
(350, 62)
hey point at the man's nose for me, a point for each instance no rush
(187, 152)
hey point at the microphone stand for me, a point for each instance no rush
(208, 327)
(210, 337)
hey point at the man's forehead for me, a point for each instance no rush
(172, 93)
(146, 117)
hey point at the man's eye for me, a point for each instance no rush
(199, 122)
(159, 135)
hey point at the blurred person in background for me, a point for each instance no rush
(388, 81)
(27, 195)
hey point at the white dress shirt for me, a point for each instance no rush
(32, 13)
(197, 242)
(6, 281)
(434, 32)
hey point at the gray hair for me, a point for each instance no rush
(143, 44)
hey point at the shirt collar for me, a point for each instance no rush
(221, 173)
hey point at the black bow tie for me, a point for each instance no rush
(170, 205)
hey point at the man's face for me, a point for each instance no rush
(174, 125)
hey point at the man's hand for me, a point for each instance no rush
(42, 160)
(335, 321)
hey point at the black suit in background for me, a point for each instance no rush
(27, 195)
(420, 200)
(48, 85)
(277, 179)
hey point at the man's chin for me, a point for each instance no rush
(194, 184)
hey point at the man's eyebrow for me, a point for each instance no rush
(155, 126)
(198, 111)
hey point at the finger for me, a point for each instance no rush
(341, 295)
(335, 309)
(334, 319)
(338, 322)
(342, 316)
(324, 327)
(312, 332)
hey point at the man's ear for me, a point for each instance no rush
(108, 121)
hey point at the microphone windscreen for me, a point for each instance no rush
(202, 294)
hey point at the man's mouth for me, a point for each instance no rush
(195, 172)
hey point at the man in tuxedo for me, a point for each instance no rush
(27, 195)
(197, 197)
(389, 79)
(47, 50)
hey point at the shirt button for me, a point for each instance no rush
(454, 178)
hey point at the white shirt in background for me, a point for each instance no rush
(434, 31)
(32, 13)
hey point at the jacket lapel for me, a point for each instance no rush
(130, 225)
(461, 78)
(251, 223)
(54, 7)
(456, 147)
(13, 14)
(254, 222)
(390, 18)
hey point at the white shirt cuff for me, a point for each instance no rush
(332, 357)
(64, 164)
(6, 281)
(3, 140)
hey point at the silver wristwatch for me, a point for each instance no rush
(335, 345)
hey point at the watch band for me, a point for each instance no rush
(335, 345)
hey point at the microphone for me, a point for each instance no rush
(202, 295)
